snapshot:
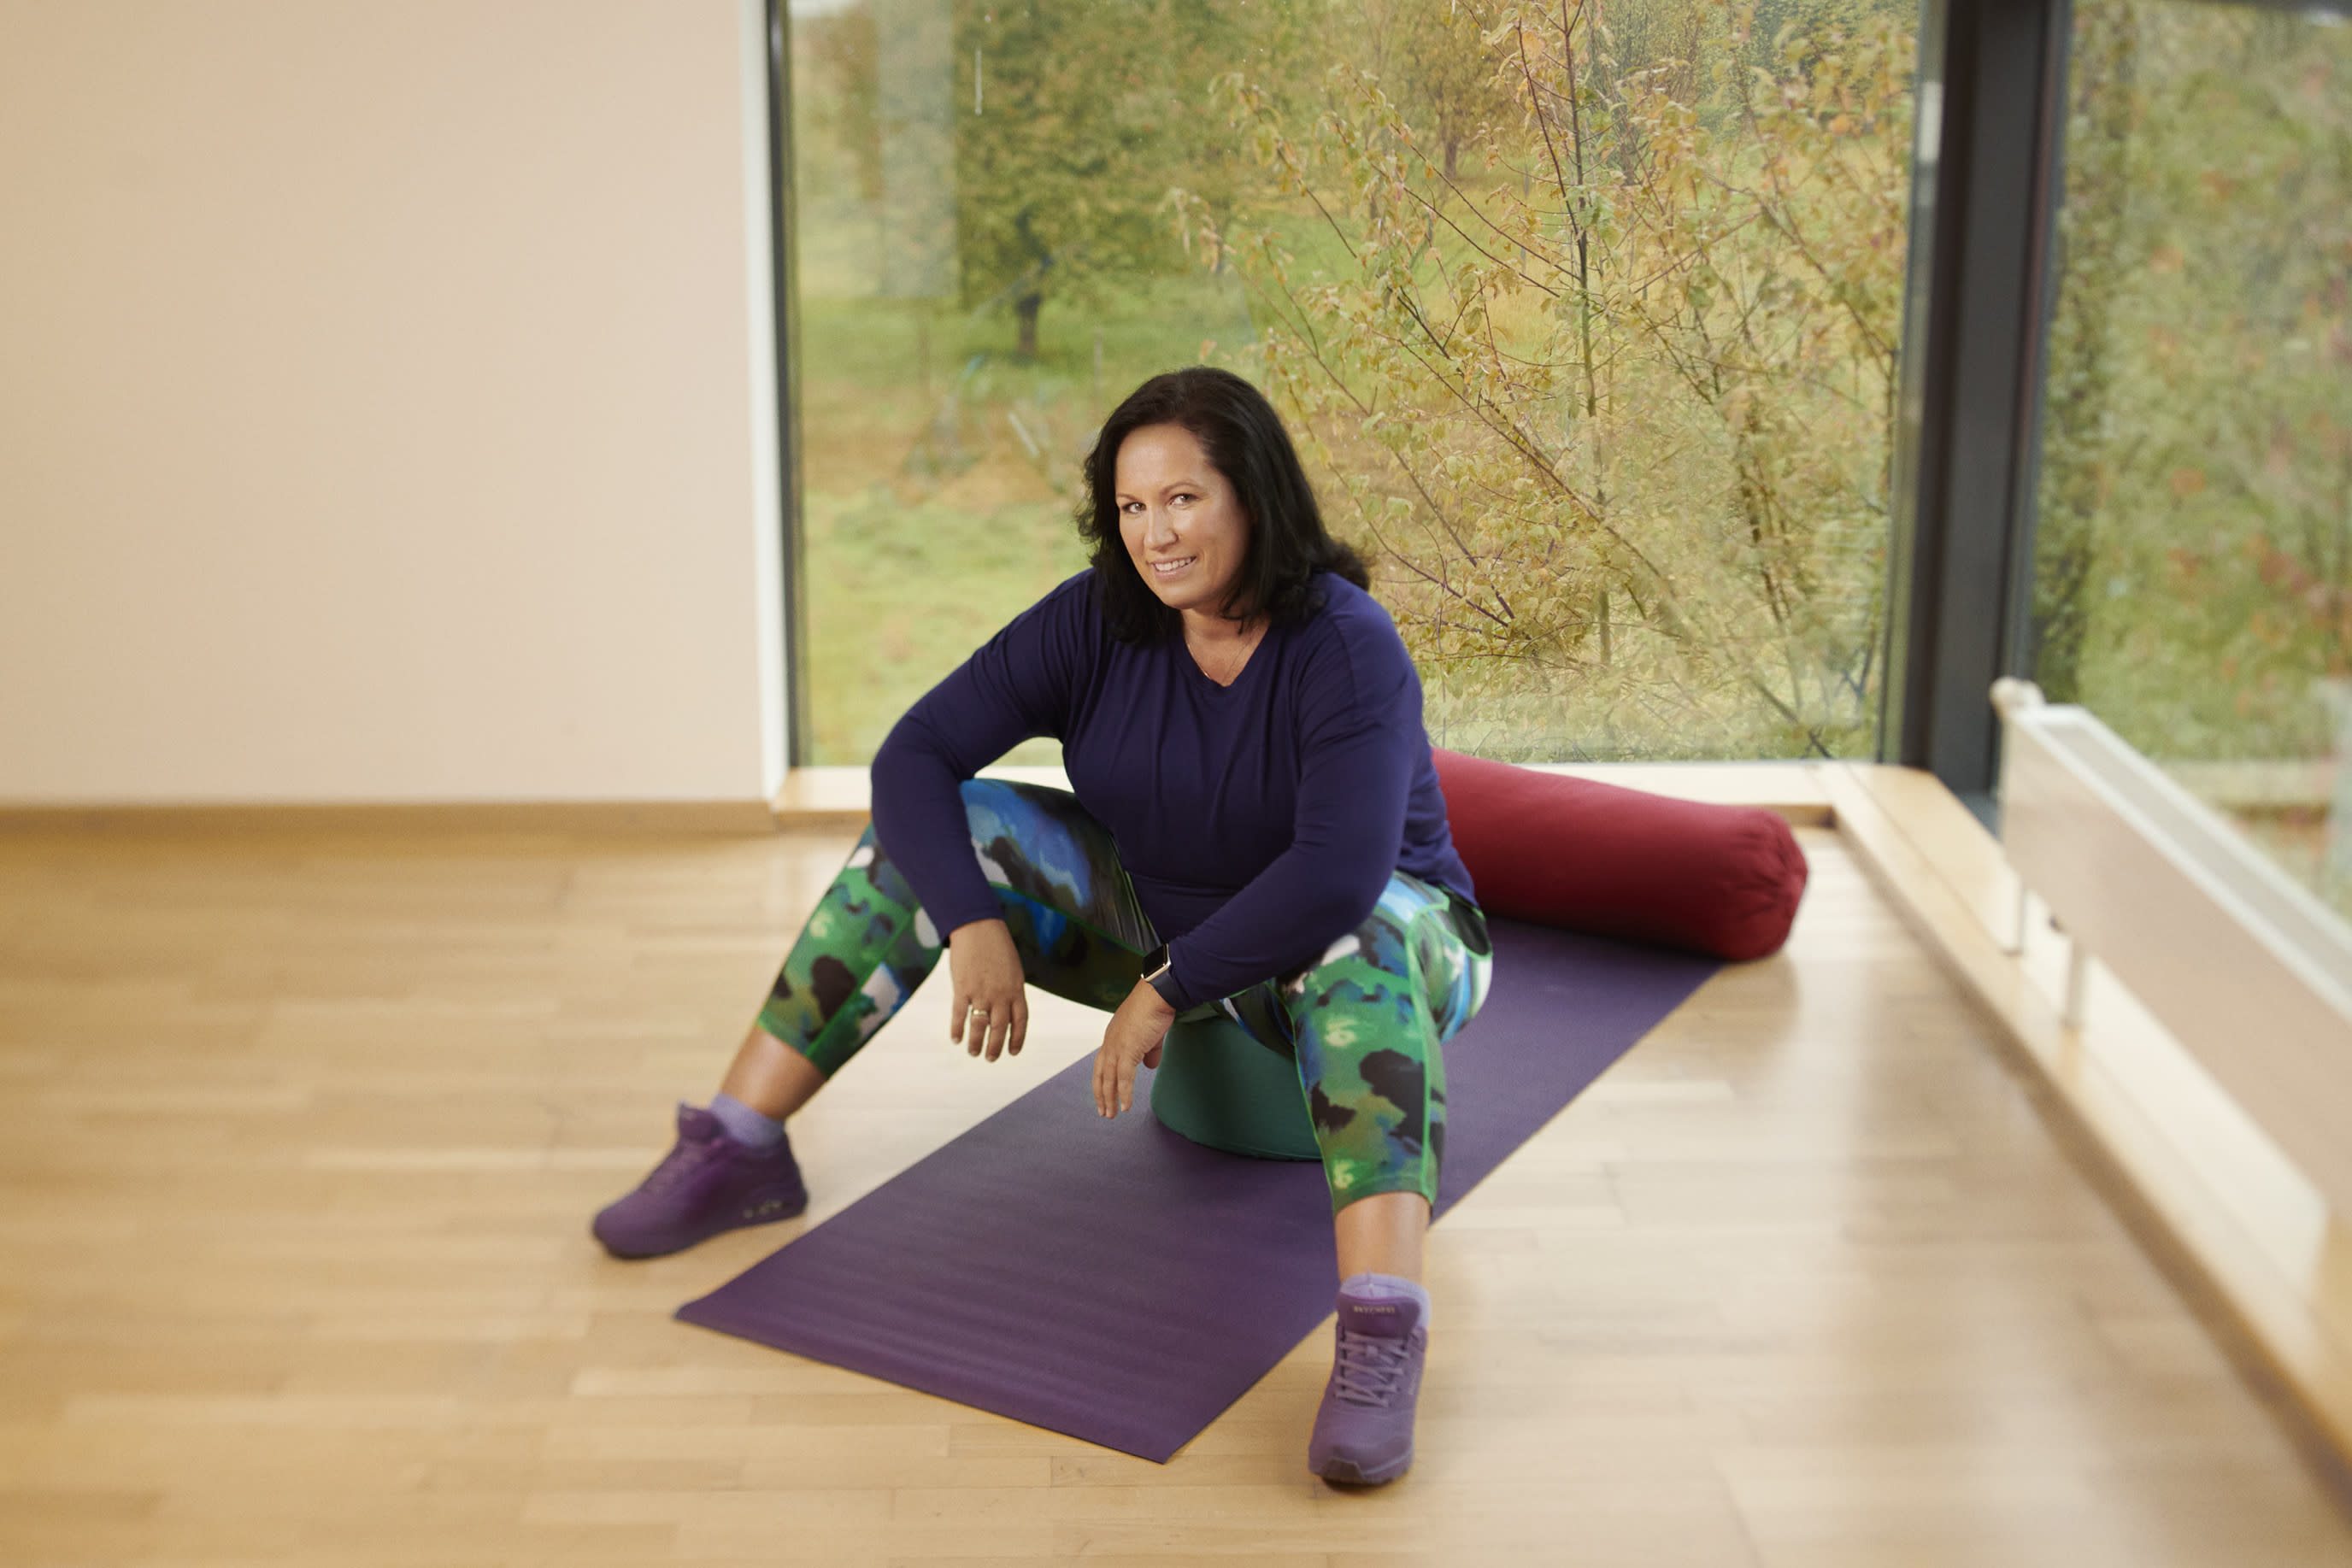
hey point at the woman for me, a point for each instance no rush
(1255, 828)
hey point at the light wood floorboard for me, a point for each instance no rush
(303, 1132)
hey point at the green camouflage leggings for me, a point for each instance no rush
(1363, 1023)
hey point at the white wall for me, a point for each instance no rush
(383, 410)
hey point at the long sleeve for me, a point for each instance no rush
(1360, 743)
(1016, 685)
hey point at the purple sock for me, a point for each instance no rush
(745, 1125)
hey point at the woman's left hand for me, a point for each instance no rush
(1132, 1040)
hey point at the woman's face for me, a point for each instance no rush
(1182, 525)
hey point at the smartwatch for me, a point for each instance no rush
(1159, 967)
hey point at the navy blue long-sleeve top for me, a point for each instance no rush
(1259, 821)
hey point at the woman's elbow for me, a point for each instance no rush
(908, 748)
(1350, 899)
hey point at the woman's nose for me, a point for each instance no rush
(1159, 528)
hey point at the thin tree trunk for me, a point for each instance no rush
(1024, 311)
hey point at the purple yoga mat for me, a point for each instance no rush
(1120, 1283)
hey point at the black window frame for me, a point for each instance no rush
(783, 271)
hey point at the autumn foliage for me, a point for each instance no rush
(1594, 346)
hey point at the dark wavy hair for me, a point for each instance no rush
(1245, 440)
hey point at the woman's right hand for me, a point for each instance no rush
(989, 1010)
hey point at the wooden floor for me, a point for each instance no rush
(302, 1133)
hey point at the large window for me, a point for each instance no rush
(2194, 549)
(1588, 320)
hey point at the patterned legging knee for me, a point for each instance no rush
(1364, 1023)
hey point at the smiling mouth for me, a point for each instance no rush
(1171, 568)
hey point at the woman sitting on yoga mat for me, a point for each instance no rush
(1255, 830)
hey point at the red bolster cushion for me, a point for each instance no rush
(1612, 861)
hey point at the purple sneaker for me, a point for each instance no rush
(1364, 1433)
(706, 1184)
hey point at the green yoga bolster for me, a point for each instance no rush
(1219, 1087)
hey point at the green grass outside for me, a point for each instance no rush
(940, 475)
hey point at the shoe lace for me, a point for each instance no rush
(686, 1157)
(1368, 1368)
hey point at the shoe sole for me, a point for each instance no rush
(745, 1223)
(1346, 1473)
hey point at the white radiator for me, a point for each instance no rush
(2251, 973)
